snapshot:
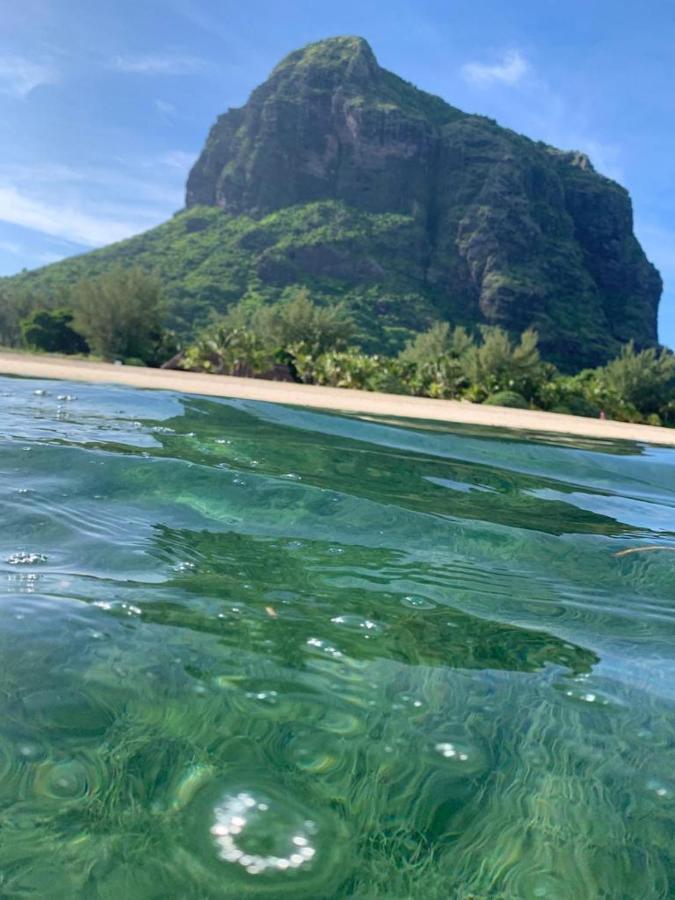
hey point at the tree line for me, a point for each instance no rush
(120, 314)
(117, 315)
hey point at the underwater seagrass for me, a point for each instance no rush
(254, 651)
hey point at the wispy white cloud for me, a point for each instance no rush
(509, 70)
(20, 76)
(10, 247)
(178, 159)
(541, 111)
(63, 221)
(136, 183)
(158, 65)
(165, 109)
(93, 205)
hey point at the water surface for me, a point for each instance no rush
(254, 651)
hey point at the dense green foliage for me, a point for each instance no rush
(52, 332)
(507, 398)
(120, 315)
(301, 341)
(254, 338)
(18, 303)
(209, 260)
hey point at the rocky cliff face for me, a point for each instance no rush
(499, 229)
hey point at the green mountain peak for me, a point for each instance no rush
(341, 177)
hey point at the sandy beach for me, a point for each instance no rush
(328, 398)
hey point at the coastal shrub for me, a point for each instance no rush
(352, 369)
(120, 314)
(433, 363)
(438, 342)
(566, 394)
(500, 364)
(254, 338)
(644, 380)
(294, 321)
(52, 332)
(578, 406)
(224, 349)
(507, 398)
(17, 303)
(300, 321)
(300, 340)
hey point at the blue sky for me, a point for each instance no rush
(104, 104)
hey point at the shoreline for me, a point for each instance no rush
(331, 399)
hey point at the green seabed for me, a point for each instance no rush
(253, 651)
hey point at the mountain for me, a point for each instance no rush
(339, 175)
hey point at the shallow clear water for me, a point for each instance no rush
(247, 650)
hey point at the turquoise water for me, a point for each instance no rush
(251, 651)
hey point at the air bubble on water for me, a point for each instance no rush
(450, 751)
(357, 623)
(446, 749)
(130, 609)
(28, 750)
(327, 648)
(22, 558)
(414, 602)
(25, 582)
(587, 696)
(242, 818)
(263, 696)
(659, 788)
